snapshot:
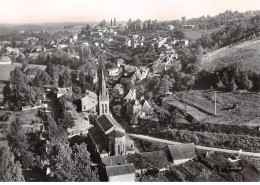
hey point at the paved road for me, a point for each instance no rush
(251, 154)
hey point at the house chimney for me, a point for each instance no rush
(111, 162)
(125, 161)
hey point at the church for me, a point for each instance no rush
(107, 137)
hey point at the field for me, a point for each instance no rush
(248, 112)
(27, 117)
(7, 68)
(195, 34)
(49, 27)
(245, 53)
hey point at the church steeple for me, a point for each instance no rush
(103, 97)
(104, 92)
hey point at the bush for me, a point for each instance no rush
(27, 160)
(195, 139)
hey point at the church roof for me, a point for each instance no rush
(98, 139)
(106, 122)
(116, 134)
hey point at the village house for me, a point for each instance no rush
(63, 91)
(121, 173)
(89, 102)
(120, 62)
(131, 95)
(119, 89)
(169, 27)
(5, 60)
(113, 72)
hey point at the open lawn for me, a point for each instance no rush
(245, 53)
(27, 117)
(5, 69)
(196, 33)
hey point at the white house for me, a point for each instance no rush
(5, 60)
(89, 102)
(113, 71)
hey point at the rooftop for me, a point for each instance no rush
(182, 151)
(107, 122)
(120, 169)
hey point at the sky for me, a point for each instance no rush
(41, 11)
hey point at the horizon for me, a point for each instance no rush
(75, 11)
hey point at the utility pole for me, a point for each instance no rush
(215, 103)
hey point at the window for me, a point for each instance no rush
(105, 108)
(84, 107)
(118, 149)
(102, 108)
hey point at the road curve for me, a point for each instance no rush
(251, 154)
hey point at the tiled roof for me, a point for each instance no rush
(97, 139)
(158, 159)
(115, 134)
(114, 160)
(182, 151)
(106, 122)
(130, 95)
(120, 170)
(146, 107)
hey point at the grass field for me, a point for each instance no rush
(248, 112)
(7, 68)
(245, 53)
(195, 34)
(27, 117)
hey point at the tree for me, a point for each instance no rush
(16, 138)
(231, 86)
(183, 20)
(10, 169)
(27, 159)
(136, 61)
(71, 165)
(165, 86)
(82, 162)
(114, 21)
(66, 121)
(54, 133)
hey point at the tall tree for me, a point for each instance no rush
(71, 164)
(10, 170)
(16, 138)
(114, 21)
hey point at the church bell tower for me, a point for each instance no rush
(103, 97)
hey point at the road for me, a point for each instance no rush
(251, 154)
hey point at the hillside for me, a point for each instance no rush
(245, 53)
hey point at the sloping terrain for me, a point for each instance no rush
(245, 53)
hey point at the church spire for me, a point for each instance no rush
(104, 92)
(103, 97)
